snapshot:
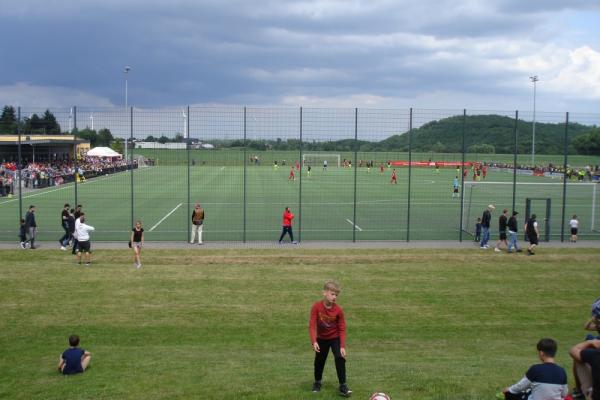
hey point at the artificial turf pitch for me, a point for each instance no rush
(214, 324)
(247, 204)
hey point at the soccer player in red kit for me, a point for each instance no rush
(381, 168)
(297, 166)
(394, 177)
(327, 330)
(292, 176)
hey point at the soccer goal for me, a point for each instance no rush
(581, 201)
(317, 159)
(141, 161)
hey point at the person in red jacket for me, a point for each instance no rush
(327, 330)
(287, 225)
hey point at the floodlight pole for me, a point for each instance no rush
(126, 71)
(533, 79)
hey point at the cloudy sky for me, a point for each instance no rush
(336, 53)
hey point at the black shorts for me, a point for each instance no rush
(84, 247)
(533, 239)
(573, 231)
(455, 190)
(503, 235)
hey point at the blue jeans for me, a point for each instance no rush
(512, 241)
(485, 235)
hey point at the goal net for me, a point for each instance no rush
(141, 161)
(317, 159)
(581, 201)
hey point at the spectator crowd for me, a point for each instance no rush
(37, 175)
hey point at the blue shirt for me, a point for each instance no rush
(72, 357)
(455, 183)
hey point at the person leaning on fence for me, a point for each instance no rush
(31, 225)
(574, 224)
(23, 234)
(197, 223)
(64, 222)
(533, 233)
(486, 219)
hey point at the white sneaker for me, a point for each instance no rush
(191, 242)
(200, 243)
(138, 266)
(497, 250)
(63, 248)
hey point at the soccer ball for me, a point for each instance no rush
(379, 396)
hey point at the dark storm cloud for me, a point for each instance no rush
(191, 52)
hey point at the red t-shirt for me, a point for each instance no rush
(287, 218)
(327, 323)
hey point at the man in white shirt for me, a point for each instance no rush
(83, 237)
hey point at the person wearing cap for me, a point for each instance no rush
(197, 223)
(486, 218)
(533, 233)
(513, 228)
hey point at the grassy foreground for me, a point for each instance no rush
(208, 324)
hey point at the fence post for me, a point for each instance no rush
(131, 161)
(19, 163)
(564, 199)
(187, 145)
(355, 172)
(75, 163)
(516, 151)
(410, 125)
(245, 177)
(462, 177)
(300, 188)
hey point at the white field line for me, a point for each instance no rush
(353, 224)
(165, 217)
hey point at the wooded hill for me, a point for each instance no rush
(487, 134)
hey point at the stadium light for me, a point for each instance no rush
(92, 120)
(126, 71)
(185, 133)
(533, 79)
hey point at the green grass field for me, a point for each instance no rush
(214, 324)
(323, 204)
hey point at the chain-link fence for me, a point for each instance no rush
(346, 174)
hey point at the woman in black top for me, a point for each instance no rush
(137, 241)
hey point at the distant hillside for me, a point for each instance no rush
(489, 133)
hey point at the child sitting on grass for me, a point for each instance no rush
(546, 381)
(74, 360)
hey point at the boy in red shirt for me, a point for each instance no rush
(394, 178)
(327, 329)
(292, 176)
